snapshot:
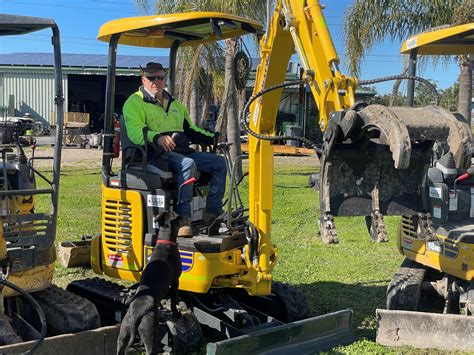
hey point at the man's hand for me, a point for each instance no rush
(166, 142)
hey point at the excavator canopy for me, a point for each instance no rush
(190, 29)
(19, 25)
(455, 40)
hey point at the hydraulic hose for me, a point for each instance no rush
(401, 77)
(36, 306)
(304, 140)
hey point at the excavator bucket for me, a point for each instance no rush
(425, 330)
(384, 166)
(306, 336)
(375, 160)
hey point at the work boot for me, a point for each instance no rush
(185, 229)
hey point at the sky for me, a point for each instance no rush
(79, 22)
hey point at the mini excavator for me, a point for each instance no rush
(373, 162)
(226, 287)
(31, 308)
(430, 300)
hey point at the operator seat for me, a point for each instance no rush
(136, 173)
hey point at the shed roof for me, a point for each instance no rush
(78, 60)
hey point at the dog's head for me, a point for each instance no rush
(169, 225)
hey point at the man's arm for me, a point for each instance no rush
(196, 134)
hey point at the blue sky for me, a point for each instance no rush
(79, 22)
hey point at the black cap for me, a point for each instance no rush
(151, 68)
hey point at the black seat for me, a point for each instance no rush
(136, 172)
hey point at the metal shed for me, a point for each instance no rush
(26, 82)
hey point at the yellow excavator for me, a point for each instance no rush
(430, 300)
(31, 308)
(373, 162)
(226, 276)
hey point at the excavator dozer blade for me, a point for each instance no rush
(100, 341)
(376, 159)
(306, 336)
(425, 330)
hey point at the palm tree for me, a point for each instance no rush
(228, 121)
(369, 22)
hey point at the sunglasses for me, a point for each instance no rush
(153, 78)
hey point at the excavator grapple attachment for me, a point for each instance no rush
(425, 330)
(306, 336)
(374, 160)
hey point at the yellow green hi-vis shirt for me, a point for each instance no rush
(142, 110)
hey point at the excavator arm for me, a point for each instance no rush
(373, 158)
(301, 27)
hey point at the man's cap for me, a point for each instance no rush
(151, 69)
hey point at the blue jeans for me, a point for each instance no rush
(184, 167)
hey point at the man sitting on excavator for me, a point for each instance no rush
(167, 124)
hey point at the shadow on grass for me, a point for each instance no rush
(326, 297)
(296, 173)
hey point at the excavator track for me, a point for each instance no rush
(66, 312)
(180, 336)
(404, 291)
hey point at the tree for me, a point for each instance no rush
(450, 97)
(368, 22)
(424, 95)
(228, 114)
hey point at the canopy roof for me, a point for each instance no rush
(455, 40)
(17, 25)
(191, 28)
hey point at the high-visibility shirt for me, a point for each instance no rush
(142, 110)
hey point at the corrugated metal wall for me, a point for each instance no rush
(33, 92)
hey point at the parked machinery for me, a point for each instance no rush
(30, 306)
(436, 278)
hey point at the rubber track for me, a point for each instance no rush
(403, 292)
(66, 312)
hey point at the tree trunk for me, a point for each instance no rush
(206, 99)
(194, 102)
(233, 124)
(465, 88)
(396, 87)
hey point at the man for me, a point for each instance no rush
(170, 127)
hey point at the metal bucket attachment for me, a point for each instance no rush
(376, 159)
(306, 336)
(425, 330)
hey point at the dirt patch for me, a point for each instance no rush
(92, 158)
(85, 158)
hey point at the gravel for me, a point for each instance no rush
(92, 158)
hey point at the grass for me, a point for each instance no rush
(352, 274)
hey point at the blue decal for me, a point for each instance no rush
(186, 260)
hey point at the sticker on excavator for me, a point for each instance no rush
(453, 200)
(435, 192)
(435, 246)
(306, 336)
(156, 201)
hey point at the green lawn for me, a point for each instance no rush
(352, 274)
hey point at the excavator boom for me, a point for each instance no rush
(373, 158)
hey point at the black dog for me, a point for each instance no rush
(160, 277)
